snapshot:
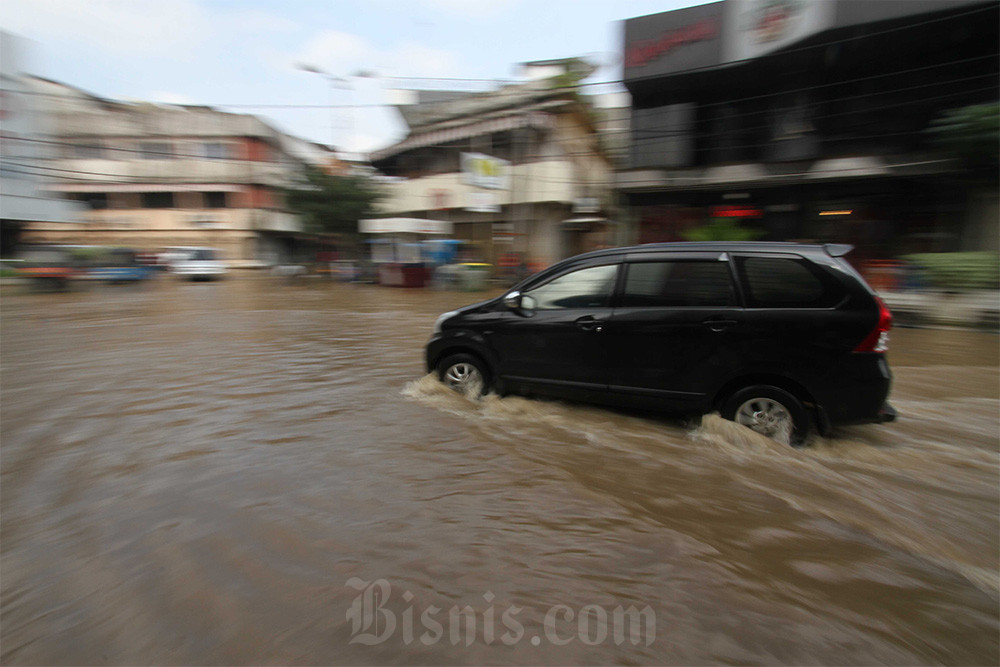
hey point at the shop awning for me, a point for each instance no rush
(734, 173)
(763, 175)
(581, 223)
(145, 187)
(436, 137)
(849, 167)
(403, 226)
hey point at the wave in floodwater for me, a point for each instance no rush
(190, 473)
(592, 422)
(873, 479)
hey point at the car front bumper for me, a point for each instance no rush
(887, 413)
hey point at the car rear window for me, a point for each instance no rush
(675, 283)
(776, 282)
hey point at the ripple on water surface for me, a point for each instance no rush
(191, 473)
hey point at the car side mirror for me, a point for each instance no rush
(512, 300)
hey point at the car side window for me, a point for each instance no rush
(678, 283)
(775, 282)
(586, 288)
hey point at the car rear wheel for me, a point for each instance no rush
(770, 411)
(465, 374)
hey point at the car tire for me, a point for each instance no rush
(464, 373)
(770, 411)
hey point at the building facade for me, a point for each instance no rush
(809, 120)
(152, 176)
(520, 170)
(24, 198)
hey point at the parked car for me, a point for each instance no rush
(48, 266)
(776, 336)
(120, 265)
(196, 263)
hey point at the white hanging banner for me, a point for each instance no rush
(483, 171)
(403, 226)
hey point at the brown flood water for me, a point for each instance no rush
(192, 473)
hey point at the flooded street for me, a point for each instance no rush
(260, 472)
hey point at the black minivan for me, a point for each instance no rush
(775, 336)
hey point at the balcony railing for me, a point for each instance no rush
(535, 182)
(175, 171)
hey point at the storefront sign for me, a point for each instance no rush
(503, 232)
(482, 202)
(438, 198)
(642, 52)
(756, 27)
(484, 171)
(403, 226)
(735, 30)
(673, 41)
(736, 212)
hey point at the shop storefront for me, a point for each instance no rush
(807, 120)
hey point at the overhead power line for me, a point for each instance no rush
(726, 102)
(813, 47)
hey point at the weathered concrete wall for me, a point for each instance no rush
(982, 228)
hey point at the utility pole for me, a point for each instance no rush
(335, 82)
(527, 157)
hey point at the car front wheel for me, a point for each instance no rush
(770, 411)
(465, 374)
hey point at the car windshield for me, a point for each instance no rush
(45, 256)
(203, 255)
(121, 258)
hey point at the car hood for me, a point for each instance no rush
(475, 307)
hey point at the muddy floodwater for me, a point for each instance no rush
(255, 471)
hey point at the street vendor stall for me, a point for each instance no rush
(396, 251)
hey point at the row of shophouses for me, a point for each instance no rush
(798, 119)
(80, 169)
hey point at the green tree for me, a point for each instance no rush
(972, 135)
(332, 204)
(721, 229)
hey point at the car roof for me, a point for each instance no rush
(831, 249)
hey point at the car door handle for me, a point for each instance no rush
(590, 323)
(719, 325)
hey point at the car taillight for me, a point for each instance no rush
(878, 339)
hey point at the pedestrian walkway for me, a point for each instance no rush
(980, 309)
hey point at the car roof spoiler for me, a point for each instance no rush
(837, 249)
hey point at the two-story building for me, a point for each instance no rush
(517, 170)
(153, 176)
(810, 119)
(24, 198)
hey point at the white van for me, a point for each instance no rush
(195, 263)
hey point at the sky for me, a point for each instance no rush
(238, 54)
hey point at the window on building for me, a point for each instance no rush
(95, 200)
(663, 136)
(586, 288)
(259, 197)
(676, 283)
(214, 199)
(786, 283)
(256, 150)
(156, 150)
(215, 150)
(8, 151)
(158, 200)
(438, 199)
(88, 150)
